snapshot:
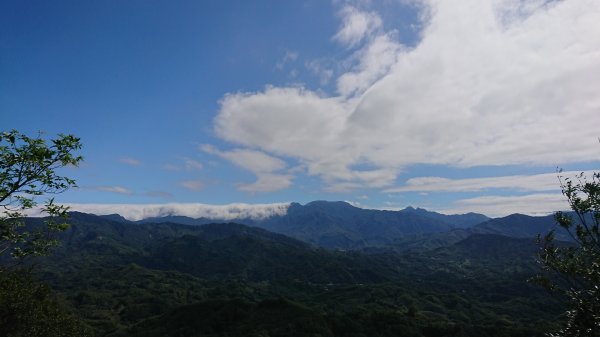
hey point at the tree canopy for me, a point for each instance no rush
(575, 268)
(29, 168)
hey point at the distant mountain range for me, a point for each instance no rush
(339, 225)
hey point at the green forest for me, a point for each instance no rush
(234, 280)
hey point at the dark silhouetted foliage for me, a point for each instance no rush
(574, 270)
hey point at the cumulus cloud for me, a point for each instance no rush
(491, 82)
(264, 166)
(195, 210)
(536, 182)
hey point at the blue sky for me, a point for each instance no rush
(451, 106)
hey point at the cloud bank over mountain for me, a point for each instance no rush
(136, 212)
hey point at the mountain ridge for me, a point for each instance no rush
(340, 225)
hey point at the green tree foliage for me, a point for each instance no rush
(28, 309)
(576, 268)
(28, 168)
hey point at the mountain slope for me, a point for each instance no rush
(456, 220)
(235, 318)
(128, 278)
(214, 251)
(521, 226)
(339, 225)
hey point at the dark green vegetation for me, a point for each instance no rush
(28, 308)
(577, 266)
(127, 279)
(28, 168)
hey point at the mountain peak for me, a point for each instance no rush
(329, 203)
(114, 217)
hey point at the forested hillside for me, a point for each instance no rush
(233, 280)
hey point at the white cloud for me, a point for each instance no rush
(321, 70)
(191, 164)
(194, 210)
(192, 185)
(290, 121)
(267, 182)
(289, 56)
(253, 161)
(492, 82)
(113, 189)
(264, 166)
(356, 204)
(375, 61)
(130, 161)
(537, 182)
(497, 206)
(356, 25)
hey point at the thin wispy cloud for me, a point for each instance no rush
(185, 163)
(322, 71)
(113, 189)
(497, 206)
(356, 25)
(192, 185)
(130, 161)
(536, 182)
(171, 167)
(289, 56)
(191, 164)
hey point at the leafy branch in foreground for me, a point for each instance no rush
(576, 267)
(28, 168)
